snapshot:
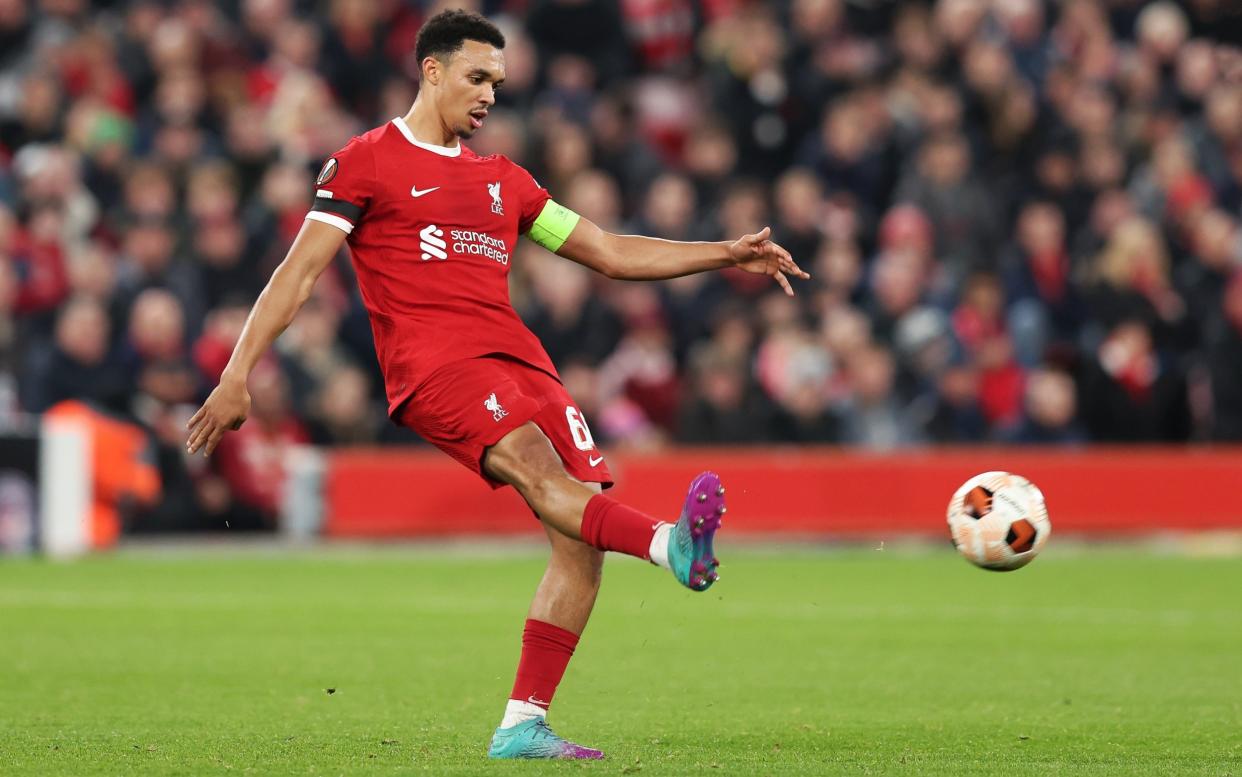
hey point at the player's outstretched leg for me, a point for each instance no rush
(688, 551)
(525, 459)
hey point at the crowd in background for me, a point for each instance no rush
(1021, 217)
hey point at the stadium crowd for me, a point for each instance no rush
(1021, 217)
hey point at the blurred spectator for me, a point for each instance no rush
(837, 272)
(744, 53)
(1215, 137)
(1050, 415)
(148, 260)
(954, 415)
(722, 408)
(310, 350)
(898, 286)
(1045, 308)
(926, 348)
(37, 116)
(10, 345)
(1225, 342)
(353, 58)
(846, 156)
(1216, 247)
(873, 415)
(156, 327)
(221, 332)
(1132, 281)
(342, 412)
(710, 160)
(799, 201)
(567, 152)
(567, 321)
(586, 28)
(642, 372)
(796, 372)
(1162, 29)
(743, 205)
(668, 209)
(39, 257)
(219, 245)
(78, 365)
(961, 209)
(1131, 394)
(979, 325)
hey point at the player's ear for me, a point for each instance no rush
(431, 70)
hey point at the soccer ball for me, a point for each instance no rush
(999, 521)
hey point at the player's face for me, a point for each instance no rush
(468, 87)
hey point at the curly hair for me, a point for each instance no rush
(443, 34)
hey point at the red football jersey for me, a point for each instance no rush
(432, 231)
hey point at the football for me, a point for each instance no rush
(999, 521)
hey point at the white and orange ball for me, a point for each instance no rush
(999, 521)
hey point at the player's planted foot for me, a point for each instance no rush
(690, 542)
(534, 739)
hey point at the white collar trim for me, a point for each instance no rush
(441, 150)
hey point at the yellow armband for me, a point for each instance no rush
(553, 226)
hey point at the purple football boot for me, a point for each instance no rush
(690, 542)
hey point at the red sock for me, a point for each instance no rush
(546, 650)
(609, 525)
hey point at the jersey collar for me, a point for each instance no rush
(441, 150)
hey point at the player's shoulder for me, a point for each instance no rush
(373, 137)
(362, 146)
(498, 160)
(508, 166)
(496, 164)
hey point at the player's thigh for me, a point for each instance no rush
(523, 458)
(466, 407)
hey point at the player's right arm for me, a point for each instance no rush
(640, 258)
(286, 291)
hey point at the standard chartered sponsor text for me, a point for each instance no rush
(467, 241)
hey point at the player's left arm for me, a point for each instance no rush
(639, 258)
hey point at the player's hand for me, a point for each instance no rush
(758, 254)
(224, 410)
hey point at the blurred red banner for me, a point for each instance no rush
(807, 491)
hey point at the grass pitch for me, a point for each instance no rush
(855, 662)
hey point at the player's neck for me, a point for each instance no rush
(426, 126)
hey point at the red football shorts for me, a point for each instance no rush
(469, 405)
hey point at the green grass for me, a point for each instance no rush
(859, 662)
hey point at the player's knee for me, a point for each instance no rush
(541, 485)
(586, 562)
(595, 567)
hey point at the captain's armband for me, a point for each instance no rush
(553, 226)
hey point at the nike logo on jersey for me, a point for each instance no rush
(414, 191)
(594, 462)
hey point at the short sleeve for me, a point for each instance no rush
(344, 187)
(533, 198)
